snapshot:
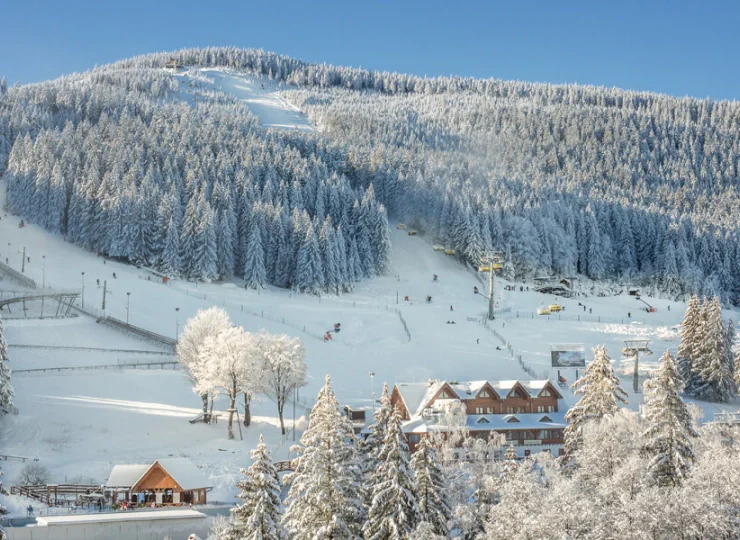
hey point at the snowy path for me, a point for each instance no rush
(258, 93)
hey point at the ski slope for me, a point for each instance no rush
(261, 96)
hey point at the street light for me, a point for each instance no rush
(128, 304)
(83, 290)
(177, 321)
(372, 391)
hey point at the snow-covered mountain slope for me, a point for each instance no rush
(260, 94)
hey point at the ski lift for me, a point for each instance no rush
(497, 266)
(401, 226)
(449, 251)
(437, 247)
(484, 269)
(543, 311)
(556, 307)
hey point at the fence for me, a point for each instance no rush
(585, 318)
(17, 276)
(405, 326)
(515, 354)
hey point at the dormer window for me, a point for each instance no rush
(513, 420)
(545, 419)
(546, 393)
(483, 421)
(444, 394)
(484, 394)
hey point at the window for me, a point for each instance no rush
(545, 434)
(545, 419)
(484, 394)
(414, 438)
(540, 408)
(527, 453)
(550, 408)
(513, 420)
(545, 393)
(445, 395)
(483, 421)
(479, 410)
(489, 410)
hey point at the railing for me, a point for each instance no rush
(515, 354)
(17, 276)
(147, 335)
(586, 318)
(54, 494)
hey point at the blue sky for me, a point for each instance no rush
(679, 48)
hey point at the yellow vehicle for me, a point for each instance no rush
(412, 233)
(484, 269)
(450, 251)
(543, 311)
(556, 307)
(437, 247)
(401, 226)
(497, 266)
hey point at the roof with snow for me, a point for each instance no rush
(492, 422)
(416, 396)
(183, 471)
(149, 515)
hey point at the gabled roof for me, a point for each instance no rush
(183, 471)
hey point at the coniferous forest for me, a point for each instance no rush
(611, 184)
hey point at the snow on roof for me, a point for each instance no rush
(126, 475)
(185, 473)
(146, 515)
(416, 395)
(182, 470)
(493, 422)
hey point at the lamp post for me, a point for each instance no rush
(177, 321)
(128, 305)
(83, 290)
(372, 391)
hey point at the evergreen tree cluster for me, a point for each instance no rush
(6, 389)
(705, 358)
(120, 167)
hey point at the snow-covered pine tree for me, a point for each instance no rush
(431, 488)
(510, 461)
(259, 517)
(6, 390)
(715, 380)
(668, 439)
(686, 353)
(324, 500)
(255, 274)
(309, 272)
(601, 395)
(730, 365)
(372, 446)
(394, 512)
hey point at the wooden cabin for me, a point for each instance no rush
(166, 482)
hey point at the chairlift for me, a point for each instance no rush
(449, 251)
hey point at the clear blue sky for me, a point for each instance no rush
(679, 48)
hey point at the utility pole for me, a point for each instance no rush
(128, 304)
(23, 261)
(105, 291)
(177, 321)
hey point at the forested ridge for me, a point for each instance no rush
(613, 184)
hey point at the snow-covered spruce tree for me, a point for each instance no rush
(431, 488)
(394, 512)
(715, 380)
(205, 323)
(309, 271)
(668, 437)
(737, 367)
(371, 448)
(255, 275)
(730, 364)
(601, 395)
(6, 390)
(259, 517)
(324, 501)
(690, 338)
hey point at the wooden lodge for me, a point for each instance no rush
(530, 414)
(166, 482)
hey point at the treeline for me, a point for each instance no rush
(198, 192)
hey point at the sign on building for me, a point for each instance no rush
(568, 355)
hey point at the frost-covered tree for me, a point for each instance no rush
(6, 389)
(669, 432)
(690, 333)
(715, 379)
(309, 271)
(283, 368)
(205, 323)
(372, 446)
(232, 366)
(600, 393)
(255, 274)
(394, 512)
(324, 500)
(259, 516)
(431, 488)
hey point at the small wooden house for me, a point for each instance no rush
(166, 482)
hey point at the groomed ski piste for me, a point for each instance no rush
(78, 423)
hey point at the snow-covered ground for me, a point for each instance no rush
(80, 423)
(259, 94)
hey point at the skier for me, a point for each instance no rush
(590, 310)
(435, 277)
(478, 341)
(475, 290)
(629, 315)
(114, 275)
(29, 510)
(669, 307)
(451, 308)
(97, 281)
